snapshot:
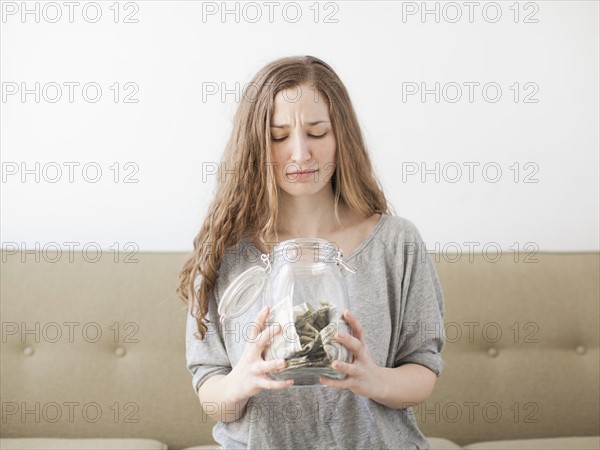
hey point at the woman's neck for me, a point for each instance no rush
(308, 216)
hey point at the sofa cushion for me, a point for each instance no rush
(572, 443)
(442, 444)
(80, 444)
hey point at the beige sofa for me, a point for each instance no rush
(93, 354)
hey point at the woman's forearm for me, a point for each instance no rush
(404, 386)
(216, 401)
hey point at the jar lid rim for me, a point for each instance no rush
(303, 242)
(243, 292)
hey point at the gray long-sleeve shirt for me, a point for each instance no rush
(397, 298)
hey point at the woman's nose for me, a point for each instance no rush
(300, 148)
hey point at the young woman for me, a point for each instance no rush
(296, 166)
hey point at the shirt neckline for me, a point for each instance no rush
(368, 239)
(355, 252)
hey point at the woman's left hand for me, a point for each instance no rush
(362, 375)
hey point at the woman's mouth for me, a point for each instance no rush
(301, 176)
(301, 172)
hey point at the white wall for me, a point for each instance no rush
(380, 50)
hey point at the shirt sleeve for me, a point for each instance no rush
(422, 329)
(206, 357)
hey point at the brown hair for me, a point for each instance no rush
(246, 200)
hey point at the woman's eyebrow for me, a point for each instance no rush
(310, 124)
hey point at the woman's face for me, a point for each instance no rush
(302, 142)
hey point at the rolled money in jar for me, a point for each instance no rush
(301, 309)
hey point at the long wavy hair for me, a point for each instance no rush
(246, 198)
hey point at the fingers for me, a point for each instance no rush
(351, 371)
(348, 369)
(264, 382)
(339, 384)
(267, 335)
(355, 326)
(259, 342)
(261, 317)
(267, 383)
(349, 341)
(271, 365)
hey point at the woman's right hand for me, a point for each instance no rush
(249, 376)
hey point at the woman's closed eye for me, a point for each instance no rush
(310, 135)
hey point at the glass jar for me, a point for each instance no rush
(306, 293)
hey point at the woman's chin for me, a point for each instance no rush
(303, 187)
